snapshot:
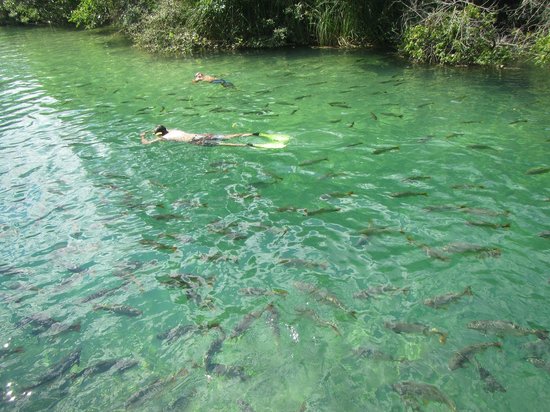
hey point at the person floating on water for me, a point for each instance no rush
(201, 139)
(275, 140)
(199, 77)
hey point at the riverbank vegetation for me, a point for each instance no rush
(456, 32)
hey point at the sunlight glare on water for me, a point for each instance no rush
(182, 277)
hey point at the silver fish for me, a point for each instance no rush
(245, 323)
(119, 309)
(378, 290)
(490, 384)
(447, 298)
(465, 355)
(414, 391)
(175, 333)
(57, 370)
(323, 296)
(416, 328)
(540, 363)
(504, 327)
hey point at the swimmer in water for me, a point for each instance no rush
(202, 139)
(199, 77)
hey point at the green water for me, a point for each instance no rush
(84, 207)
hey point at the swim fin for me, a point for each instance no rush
(276, 137)
(272, 145)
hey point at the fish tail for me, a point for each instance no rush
(541, 334)
(75, 327)
(442, 336)
(468, 291)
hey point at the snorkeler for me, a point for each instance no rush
(199, 77)
(202, 139)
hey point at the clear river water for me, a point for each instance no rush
(344, 272)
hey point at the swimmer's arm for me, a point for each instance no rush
(145, 141)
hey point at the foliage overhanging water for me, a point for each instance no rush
(435, 166)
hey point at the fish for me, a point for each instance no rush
(453, 134)
(408, 194)
(384, 149)
(273, 319)
(538, 349)
(176, 333)
(168, 216)
(120, 309)
(538, 170)
(379, 290)
(441, 208)
(304, 263)
(413, 391)
(545, 234)
(151, 390)
(518, 121)
(302, 97)
(57, 370)
(315, 316)
(416, 328)
(321, 211)
(261, 292)
(7, 351)
(425, 139)
(447, 298)
(373, 116)
(378, 230)
(490, 384)
(354, 144)
(504, 327)
(245, 323)
(312, 162)
(540, 363)
(245, 406)
(479, 146)
(335, 121)
(420, 106)
(293, 112)
(482, 212)
(158, 245)
(460, 247)
(393, 115)
(375, 354)
(416, 178)
(336, 195)
(351, 124)
(102, 366)
(465, 355)
(323, 296)
(103, 292)
(343, 105)
(467, 186)
(490, 225)
(214, 348)
(43, 323)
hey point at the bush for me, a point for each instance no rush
(541, 50)
(456, 35)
